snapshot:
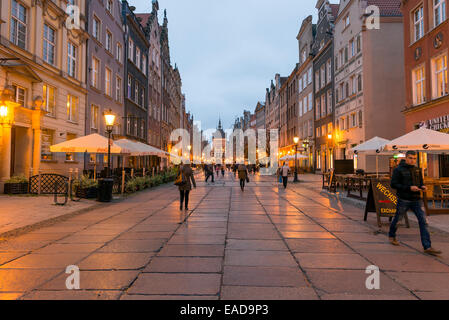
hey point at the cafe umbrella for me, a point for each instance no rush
(423, 140)
(372, 146)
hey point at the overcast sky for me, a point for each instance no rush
(229, 50)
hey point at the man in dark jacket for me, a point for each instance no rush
(408, 181)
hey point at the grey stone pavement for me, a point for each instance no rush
(263, 243)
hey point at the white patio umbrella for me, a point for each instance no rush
(372, 146)
(93, 143)
(292, 157)
(424, 140)
(137, 148)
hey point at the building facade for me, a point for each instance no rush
(42, 78)
(306, 37)
(426, 45)
(105, 70)
(323, 50)
(365, 104)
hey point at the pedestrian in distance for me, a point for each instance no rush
(408, 181)
(186, 179)
(243, 175)
(222, 171)
(284, 172)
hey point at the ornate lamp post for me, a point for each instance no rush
(329, 138)
(296, 141)
(109, 118)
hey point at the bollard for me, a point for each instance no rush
(123, 181)
(132, 173)
(77, 174)
(143, 172)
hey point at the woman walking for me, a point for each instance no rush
(285, 170)
(186, 186)
(243, 175)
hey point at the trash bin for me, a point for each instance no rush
(105, 190)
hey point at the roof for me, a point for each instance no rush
(388, 8)
(144, 17)
(334, 9)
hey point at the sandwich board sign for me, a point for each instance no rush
(382, 200)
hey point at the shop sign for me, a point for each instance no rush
(437, 124)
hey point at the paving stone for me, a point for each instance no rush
(133, 246)
(166, 297)
(45, 261)
(331, 261)
(300, 228)
(407, 262)
(145, 235)
(10, 296)
(176, 284)
(420, 281)
(116, 261)
(192, 251)
(306, 235)
(72, 295)
(263, 276)
(318, 246)
(185, 265)
(95, 280)
(259, 258)
(267, 293)
(5, 257)
(264, 245)
(197, 239)
(352, 297)
(21, 280)
(69, 248)
(87, 239)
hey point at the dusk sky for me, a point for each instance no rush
(228, 51)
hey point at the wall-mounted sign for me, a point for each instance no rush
(382, 199)
(437, 124)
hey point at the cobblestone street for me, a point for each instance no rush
(263, 243)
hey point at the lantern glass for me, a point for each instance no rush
(296, 140)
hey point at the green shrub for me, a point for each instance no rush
(148, 182)
(17, 179)
(140, 183)
(85, 182)
(131, 186)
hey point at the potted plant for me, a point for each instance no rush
(16, 185)
(86, 188)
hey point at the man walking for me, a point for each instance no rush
(284, 171)
(243, 175)
(408, 181)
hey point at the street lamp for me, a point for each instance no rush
(296, 141)
(329, 137)
(109, 118)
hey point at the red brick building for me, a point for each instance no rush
(426, 43)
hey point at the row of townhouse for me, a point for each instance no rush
(366, 68)
(63, 63)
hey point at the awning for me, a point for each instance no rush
(93, 143)
(420, 140)
(372, 146)
(292, 157)
(139, 149)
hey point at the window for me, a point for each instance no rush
(354, 85)
(300, 84)
(304, 80)
(317, 108)
(317, 81)
(18, 31)
(131, 50)
(20, 95)
(119, 52)
(418, 86)
(439, 10)
(329, 71)
(109, 41)
(323, 130)
(108, 85)
(72, 108)
(359, 80)
(95, 69)
(439, 81)
(304, 103)
(109, 6)
(418, 18)
(304, 56)
(300, 108)
(94, 117)
(346, 54)
(323, 76)
(128, 125)
(329, 102)
(129, 86)
(49, 45)
(309, 76)
(353, 120)
(360, 119)
(352, 47)
(49, 97)
(342, 124)
(144, 64)
(347, 22)
(136, 92)
(96, 28)
(323, 105)
(359, 44)
(138, 57)
(71, 59)
(47, 140)
(310, 128)
(310, 102)
(142, 96)
(336, 62)
(347, 122)
(118, 89)
(318, 132)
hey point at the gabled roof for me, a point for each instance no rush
(388, 8)
(144, 17)
(334, 9)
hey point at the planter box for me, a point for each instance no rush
(16, 188)
(87, 193)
